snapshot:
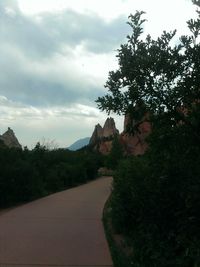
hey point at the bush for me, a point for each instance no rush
(156, 206)
(26, 175)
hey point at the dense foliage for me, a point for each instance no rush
(156, 197)
(112, 160)
(29, 174)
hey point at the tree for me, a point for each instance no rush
(155, 74)
(115, 155)
(155, 199)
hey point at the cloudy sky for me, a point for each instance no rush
(55, 56)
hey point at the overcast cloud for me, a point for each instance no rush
(39, 55)
(55, 56)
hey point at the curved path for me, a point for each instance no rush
(63, 229)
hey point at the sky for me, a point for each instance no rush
(55, 56)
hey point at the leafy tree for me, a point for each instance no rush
(155, 200)
(115, 155)
(155, 74)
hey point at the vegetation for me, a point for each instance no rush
(118, 253)
(116, 154)
(156, 197)
(29, 174)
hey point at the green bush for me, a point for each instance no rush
(29, 174)
(156, 205)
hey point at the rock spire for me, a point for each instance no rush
(9, 139)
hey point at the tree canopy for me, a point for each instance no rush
(162, 74)
(155, 200)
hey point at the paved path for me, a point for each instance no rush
(63, 229)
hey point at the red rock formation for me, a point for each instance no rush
(109, 128)
(101, 138)
(9, 139)
(105, 147)
(135, 143)
(97, 135)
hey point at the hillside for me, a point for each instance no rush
(79, 144)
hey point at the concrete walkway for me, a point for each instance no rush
(63, 229)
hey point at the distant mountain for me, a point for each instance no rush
(79, 144)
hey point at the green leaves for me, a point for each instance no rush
(136, 23)
(194, 26)
(156, 200)
(26, 175)
(162, 73)
(144, 66)
(196, 2)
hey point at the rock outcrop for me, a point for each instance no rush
(132, 143)
(102, 138)
(135, 143)
(9, 139)
(109, 128)
(105, 147)
(97, 135)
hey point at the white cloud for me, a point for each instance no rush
(159, 12)
(55, 59)
(107, 9)
(62, 124)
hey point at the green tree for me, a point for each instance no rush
(155, 74)
(115, 155)
(155, 199)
